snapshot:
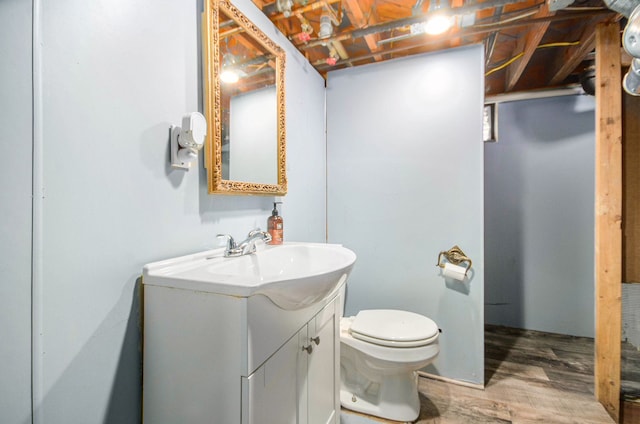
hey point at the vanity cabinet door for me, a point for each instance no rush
(270, 394)
(322, 369)
(299, 383)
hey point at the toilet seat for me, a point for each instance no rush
(393, 328)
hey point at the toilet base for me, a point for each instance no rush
(395, 397)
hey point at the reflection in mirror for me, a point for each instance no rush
(244, 91)
(248, 102)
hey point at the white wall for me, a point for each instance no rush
(115, 75)
(405, 182)
(539, 216)
(15, 210)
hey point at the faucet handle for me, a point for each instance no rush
(266, 237)
(231, 243)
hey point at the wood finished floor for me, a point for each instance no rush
(530, 377)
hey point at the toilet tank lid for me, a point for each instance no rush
(393, 325)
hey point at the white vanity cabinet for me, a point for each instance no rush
(299, 379)
(212, 358)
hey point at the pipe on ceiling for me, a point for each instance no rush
(492, 39)
(391, 25)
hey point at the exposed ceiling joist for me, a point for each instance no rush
(568, 60)
(456, 41)
(301, 9)
(526, 46)
(512, 31)
(355, 10)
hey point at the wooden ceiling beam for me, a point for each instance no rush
(336, 18)
(303, 9)
(456, 41)
(249, 43)
(339, 47)
(526, 46)
(359, 20)
(491, 40)
(571, 57)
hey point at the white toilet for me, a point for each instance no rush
(380, 352)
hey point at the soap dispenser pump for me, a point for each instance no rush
(275, 226)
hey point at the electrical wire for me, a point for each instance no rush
(519, 55)
(507, 20)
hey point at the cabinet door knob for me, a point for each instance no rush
(309, 349)
(316, 340)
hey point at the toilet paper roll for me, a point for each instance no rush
(454, 271)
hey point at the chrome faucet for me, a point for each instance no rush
(247, 246)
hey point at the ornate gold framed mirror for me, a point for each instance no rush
(244, 100)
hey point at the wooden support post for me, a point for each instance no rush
(608, 215)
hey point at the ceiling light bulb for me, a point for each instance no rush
(437, 24)
(229, 73)
(229, 76)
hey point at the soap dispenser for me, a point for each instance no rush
(275, 226)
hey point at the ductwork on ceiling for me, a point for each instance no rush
(630, 41)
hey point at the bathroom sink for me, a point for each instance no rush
(292, 275)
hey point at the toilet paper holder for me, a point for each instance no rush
(456, 256)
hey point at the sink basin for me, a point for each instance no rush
(292, 275)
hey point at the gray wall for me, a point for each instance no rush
(15, 210)
(115, 74)
(539, 216)
(405, 182)
(631, 313)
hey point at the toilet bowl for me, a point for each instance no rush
(380, 352)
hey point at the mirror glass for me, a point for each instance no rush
(244, 92)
